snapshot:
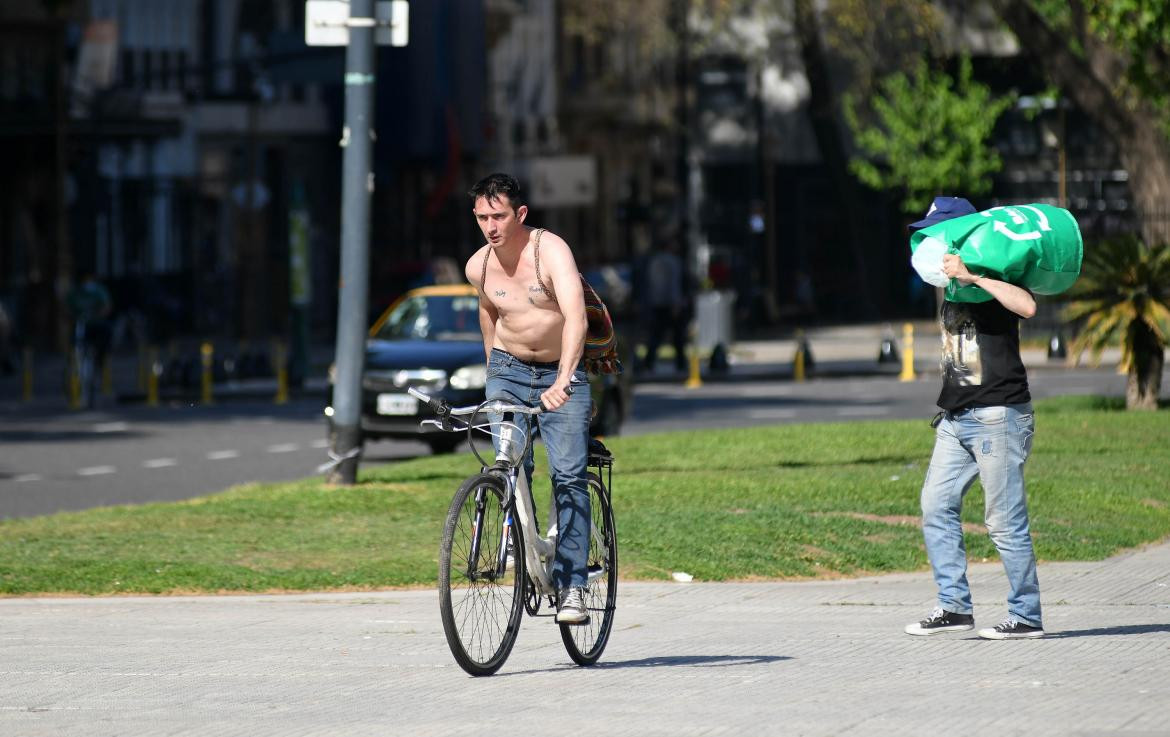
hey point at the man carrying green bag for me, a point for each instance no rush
(1037, 247)
(986, 425)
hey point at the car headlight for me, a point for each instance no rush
(470, 377)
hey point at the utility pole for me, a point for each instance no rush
(357, 186)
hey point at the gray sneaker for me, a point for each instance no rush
(572, 608)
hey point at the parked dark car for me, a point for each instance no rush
(430, 339)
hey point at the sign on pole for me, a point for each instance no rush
(327, 22)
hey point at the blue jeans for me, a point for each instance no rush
(565, 433)
(992, 443)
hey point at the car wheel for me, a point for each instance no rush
(609, 416)
(445, 444)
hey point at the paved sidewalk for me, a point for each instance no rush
(809, 658)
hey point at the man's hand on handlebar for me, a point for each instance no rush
(556, 395)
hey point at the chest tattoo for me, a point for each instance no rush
(501, 293)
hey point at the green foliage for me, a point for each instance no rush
(1140, 29)
(930, 135)
(1123, 292)
(766, 502)
(1136, 31)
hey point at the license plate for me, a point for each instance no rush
(397, 404)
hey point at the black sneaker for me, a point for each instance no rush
(1011, 629)
(940, 620)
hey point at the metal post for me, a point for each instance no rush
(357, 184)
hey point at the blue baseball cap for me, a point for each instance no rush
(943, 208)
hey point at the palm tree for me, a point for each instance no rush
(1123, 295)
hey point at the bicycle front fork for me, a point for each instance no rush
(500, 567)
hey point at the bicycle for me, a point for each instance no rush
(494, 563)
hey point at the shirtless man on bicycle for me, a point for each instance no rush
(532, 313)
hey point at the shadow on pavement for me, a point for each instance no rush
(701, 661)
(665, 661)
(1128, 629)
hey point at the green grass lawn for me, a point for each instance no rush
(790, 501)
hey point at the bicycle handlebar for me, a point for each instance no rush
(443, 409)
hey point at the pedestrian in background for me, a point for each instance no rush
(90, 305)
(668, 300)
(984, 431)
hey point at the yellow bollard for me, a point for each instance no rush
(156, 369)
(27, 394)
(208, 353)
(281, 357)
(107, 376)
(74, 387)
(694, 380)
(907, 353)
(798, 359)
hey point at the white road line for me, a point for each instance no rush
(284, 448)
(321, 443)
(222, 455)
(96, 470)
(772, 413)
(111, 427)
(159, 463)
(28, 477)
(863, 411)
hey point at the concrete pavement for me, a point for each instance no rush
(789, 658)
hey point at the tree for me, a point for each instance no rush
(930, 137)
(1113, 59)
(1123, 295)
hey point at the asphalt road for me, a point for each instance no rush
(52, 461)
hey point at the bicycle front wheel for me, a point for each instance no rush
(481, 576)
(585, 643)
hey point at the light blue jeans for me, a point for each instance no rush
(991, 443)
(565, 433)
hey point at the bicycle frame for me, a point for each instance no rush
(539, 550)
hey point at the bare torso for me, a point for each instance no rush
(529, 323)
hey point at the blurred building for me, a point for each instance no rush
(167, 147)
(187, 153)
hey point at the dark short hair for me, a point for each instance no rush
(497, 185)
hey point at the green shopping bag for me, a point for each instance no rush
(1037, 247)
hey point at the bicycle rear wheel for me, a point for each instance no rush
(585, 643)
(481, 576)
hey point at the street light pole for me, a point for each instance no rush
(357, 186)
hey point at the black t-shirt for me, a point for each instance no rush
(981, 364)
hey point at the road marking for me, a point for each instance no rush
(159, 463)
(28, 477)
(863, 411)
(111, 427)
(284, 448)
(322, 443)
(96, 470)
(772, 413)
(222, 455)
